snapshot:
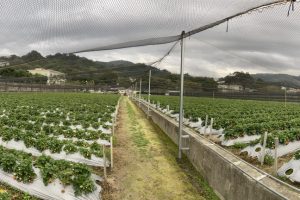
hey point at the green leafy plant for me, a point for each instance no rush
(85, 153)
(5, 196)
(297, 155)
(70, 148)
(23, 171)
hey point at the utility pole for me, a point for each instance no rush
(181, 96)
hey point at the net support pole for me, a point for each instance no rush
(140, 93)
(285, 97)
(149, 92)
(181, 97)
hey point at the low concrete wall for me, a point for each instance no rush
(230, 176)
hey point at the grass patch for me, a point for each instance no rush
(239, 145)
(194, 176)
(9, 193)
(138, 137)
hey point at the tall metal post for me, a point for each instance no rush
(140, 93)
(284, 97)
(149, 90)
(181, 97)
(135, 88)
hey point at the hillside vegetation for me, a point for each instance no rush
(81, 70)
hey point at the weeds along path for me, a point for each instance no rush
(145, 163)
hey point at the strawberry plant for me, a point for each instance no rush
(54, 122)
(70, 148)
(85, 153)
(8, 162)
(23, 171)
(297, 155)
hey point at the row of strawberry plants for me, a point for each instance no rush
(40, 121)
(57, 131)
(237, 117)
(21, 165)
(51, 110)
(44, 142)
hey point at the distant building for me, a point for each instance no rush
(291, 90)
(122, 92)
(4, 63)
(172, 92)
(54, 77)
(228, 88)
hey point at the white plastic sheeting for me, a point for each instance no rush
(244, 139)
(291, 170)
(255, 151)
(76, 157)
(197, 124)
(103, 130)
(74, 139)
(54, 190)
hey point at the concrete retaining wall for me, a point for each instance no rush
(230, 177)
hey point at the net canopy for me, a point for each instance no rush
(53, 26)
(263, 40)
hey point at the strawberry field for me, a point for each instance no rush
(242, 124)
(51, 144)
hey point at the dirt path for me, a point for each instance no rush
(146, 166)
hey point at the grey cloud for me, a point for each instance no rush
(260, 42)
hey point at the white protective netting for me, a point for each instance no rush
(51, 26)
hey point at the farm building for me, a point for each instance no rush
(54, 77)
(4, 63)
(229, 88)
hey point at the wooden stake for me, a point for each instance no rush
(111, 153)
(104, 162)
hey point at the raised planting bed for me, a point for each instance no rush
(49, 142)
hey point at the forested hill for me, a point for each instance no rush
(115, 73)
(280, 79)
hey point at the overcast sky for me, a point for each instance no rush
(265, 41)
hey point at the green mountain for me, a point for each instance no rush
(81, 70)
(279, 79)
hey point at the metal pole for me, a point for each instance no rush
(135, 87)
(149, 92)
(181, 97)
(285, 97)
(140, 92)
